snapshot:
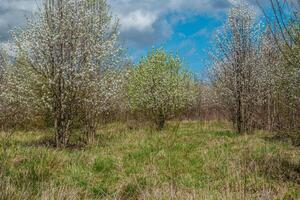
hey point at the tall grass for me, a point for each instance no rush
(188, 160)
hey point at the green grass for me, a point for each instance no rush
(195, 160)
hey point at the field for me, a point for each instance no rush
(187, 160)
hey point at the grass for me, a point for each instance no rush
(190, 160)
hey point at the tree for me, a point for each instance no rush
(268, 76)
(62, 53)
(2, 85)
(9, 110)
(234, 65)
(283, 24)
(2, 67)
(159, 87)
(103, 96)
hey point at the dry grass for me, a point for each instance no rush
(187, 160)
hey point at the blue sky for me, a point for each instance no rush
(190, 38)
(183, 26)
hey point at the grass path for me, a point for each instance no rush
(190, 160)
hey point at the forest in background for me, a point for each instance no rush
(69, 73)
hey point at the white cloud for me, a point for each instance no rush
(139, 20)
(143, 22)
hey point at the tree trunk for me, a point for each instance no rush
(90, 123)
(91, 135)
(160, 123)
(59, 133)
(90, 132)
(239, 117)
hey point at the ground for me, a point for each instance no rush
(187, 160)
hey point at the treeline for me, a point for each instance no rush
(70, 73)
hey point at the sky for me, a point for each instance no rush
(185, 27)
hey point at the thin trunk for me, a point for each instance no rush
(239, 115)
(160, 121)
(90, 127)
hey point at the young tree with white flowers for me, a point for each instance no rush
(9, 110)
(283, 20)
(267, 78)
(103, 96)
(63, 52)
(159, 87)
(2, 85)
(2, 66)
(234, 65)
(284, 27)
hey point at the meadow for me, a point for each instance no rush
(186, 160)
(91, 97)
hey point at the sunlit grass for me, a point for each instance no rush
(200, 160)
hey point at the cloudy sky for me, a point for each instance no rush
(183, 26)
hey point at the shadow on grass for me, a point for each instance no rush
(283, 169)
(288, 138)
(77, 141)
(276, 167)
(49, 142)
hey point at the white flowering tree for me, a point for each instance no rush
(159, 87)
(284, 28)
(267, 76)
(6, 116)
(234, 65)
(63, 51)
(2, 67)
(103, 96)
(283, 20)
(9, 110)
(2, 85)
